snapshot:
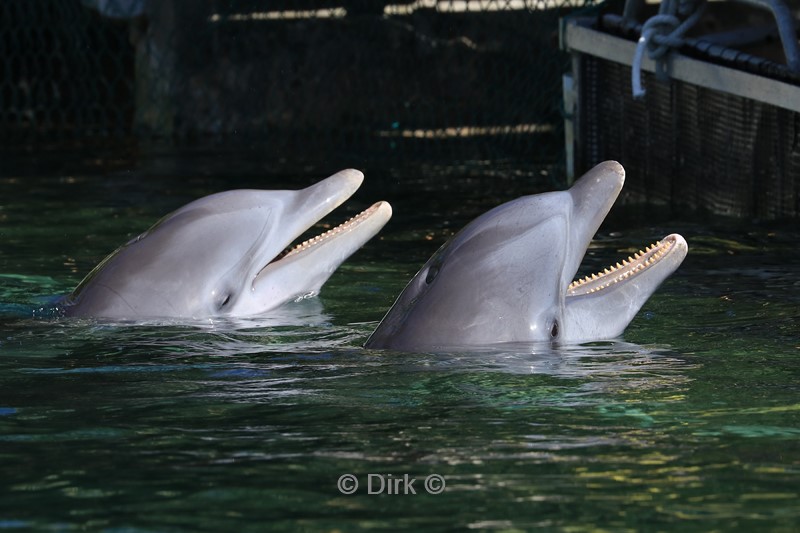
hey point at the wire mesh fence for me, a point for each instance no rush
(64, 73)
(456, 79)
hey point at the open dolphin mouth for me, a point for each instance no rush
(376, 210)
(631, 267)
(297, 267)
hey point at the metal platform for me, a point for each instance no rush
(720, 134)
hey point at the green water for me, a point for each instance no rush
(691, 422)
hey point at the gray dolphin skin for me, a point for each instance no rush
(225, 255)
(507, 276)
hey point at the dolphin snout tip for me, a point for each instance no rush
(680, 243)
(614, 168)
(353, 177)
(384, 209)
(676, 251)
(606, 174)
(353, 173)
(348, 180)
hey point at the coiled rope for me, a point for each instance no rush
(661, 34)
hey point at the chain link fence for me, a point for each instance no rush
(456, 79)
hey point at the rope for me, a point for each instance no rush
(661, 34)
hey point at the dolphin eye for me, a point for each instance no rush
(225, 300)
(432, 272)
(554, 329)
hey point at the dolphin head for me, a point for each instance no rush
(507, 276)
(226, 255)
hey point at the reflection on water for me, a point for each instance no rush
(692, 421)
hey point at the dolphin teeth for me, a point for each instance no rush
(314, 241)
(633, 265)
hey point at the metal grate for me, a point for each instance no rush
(65, 73)
(426, 78)
(691, 147)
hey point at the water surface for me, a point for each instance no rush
(691, 421)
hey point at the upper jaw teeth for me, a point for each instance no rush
(629, 267)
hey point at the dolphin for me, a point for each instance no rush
(226, 255)
(507, 277)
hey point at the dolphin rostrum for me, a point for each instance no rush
(226, 255)
(508, 276)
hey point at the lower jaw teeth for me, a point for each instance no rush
(634, 264)
(325, 235)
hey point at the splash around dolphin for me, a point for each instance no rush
(507, 276)
(226, 255)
